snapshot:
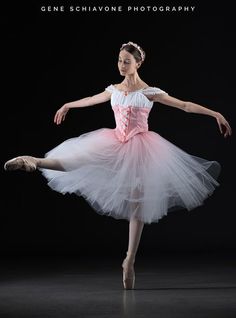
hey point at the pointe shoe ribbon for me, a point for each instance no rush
(128, 274)
(26, 163)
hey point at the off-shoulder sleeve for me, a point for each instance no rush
(153, 91)
(110, 88)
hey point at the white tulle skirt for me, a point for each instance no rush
(146, 177)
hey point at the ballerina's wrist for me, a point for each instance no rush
(217, 115)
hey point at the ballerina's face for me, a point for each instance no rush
(126, 63)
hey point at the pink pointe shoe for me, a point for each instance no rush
(128, 273)
(26, 163)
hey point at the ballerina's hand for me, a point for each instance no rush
(60, 114)
(222, 123)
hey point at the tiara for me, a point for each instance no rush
(136, 46)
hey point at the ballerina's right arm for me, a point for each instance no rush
(84, 102)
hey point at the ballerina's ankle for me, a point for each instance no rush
(130, 257)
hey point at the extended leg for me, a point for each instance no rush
(29, 164)
(52, 164)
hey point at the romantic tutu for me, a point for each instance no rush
(129, 170)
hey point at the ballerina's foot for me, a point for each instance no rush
(128, 274)
(26, 163)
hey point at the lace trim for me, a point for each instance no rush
(147, 90)
(110, 88)
(153, 91)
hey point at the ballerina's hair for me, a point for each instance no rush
(134, 49)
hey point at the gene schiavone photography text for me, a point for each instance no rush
(121, 8)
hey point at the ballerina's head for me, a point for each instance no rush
(134, 49)
(130, 58)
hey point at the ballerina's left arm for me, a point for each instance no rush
(194, 108)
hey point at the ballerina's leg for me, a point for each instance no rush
(28, 163)
(135, 232)
(52, 164)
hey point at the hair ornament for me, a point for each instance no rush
(136, 46)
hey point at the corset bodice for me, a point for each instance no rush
(131, 110)
(130, 120)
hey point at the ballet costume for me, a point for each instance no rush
(129, 170)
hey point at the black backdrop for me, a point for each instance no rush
(50, 58)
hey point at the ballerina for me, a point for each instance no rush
(129, 172)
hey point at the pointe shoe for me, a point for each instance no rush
(128, 274)
(26, 163)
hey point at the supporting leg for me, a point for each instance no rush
(135, 232)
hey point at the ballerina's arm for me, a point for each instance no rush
(194, 108)
(84, 102)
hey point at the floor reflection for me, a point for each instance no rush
(129, 303)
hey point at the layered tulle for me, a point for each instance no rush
(146, 176)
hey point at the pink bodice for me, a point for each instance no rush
(131, 111)
(130, 121)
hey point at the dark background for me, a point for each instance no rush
(52, 58)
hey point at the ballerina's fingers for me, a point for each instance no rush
(58, 117)
(222, 123)
(228, 130)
